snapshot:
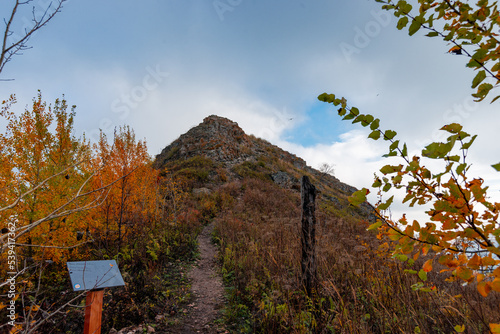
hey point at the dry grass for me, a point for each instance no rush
(359, 289)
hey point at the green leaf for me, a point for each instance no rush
(326, 97)
(374, 135)
(394, 145)
(449, 37)
(375, 124)
(496, 98)
(402, 22)
(496, 67)
(432, 34)
(416, 24)
(496, 166)
(404, 152)
(414, 27)
(461, 168)
(355, 111)
(390, 154)
(422, 275)
(464, 273)
(401, 257)
(481, 75)
(466, 146)
(348, 117)
(367, 120)
(473, 64)
(389, 169)
(480, 54)
(452, 128)
(375, 226)
(482, 91)
(389, 134)
(386, 205)
(358, 197)
(437, 150)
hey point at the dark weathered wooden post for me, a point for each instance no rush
(308, 197)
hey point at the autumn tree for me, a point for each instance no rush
(462, 232)
(134, 199)
(45, 178)
(65, 199)
(47, 193)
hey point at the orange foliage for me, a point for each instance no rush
(61, 192)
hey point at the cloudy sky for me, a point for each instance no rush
(161, 66)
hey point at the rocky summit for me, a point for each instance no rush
(218, 150)
(221, 140)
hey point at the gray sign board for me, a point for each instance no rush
(93, 275)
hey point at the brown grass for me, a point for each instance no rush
(359, 289)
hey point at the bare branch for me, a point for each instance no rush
(20, 43)
(61, 212)
(56, 247)
(64, 171)
(33, 329)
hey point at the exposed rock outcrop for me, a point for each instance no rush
(218, 150)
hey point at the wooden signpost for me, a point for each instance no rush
(93, 311)
(93, 277)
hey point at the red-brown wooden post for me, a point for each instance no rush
(93, 312)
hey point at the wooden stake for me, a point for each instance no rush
(93, 312)
(308, 232)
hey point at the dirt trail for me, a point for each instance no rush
(207, 289)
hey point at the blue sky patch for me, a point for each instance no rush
(320, 124)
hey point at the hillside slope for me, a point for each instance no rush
(219, 151)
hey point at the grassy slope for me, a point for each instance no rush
(360, 290)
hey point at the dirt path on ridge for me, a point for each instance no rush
(207, 289)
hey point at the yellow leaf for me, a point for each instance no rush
(474, 262)
(480, 278)
(464, 273)
(495, 328)
(488, 261)
(460, 328)
(495, 285)
(484, 288)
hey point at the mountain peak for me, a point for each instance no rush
(217, 138)
(221, 140)
(218, 150)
